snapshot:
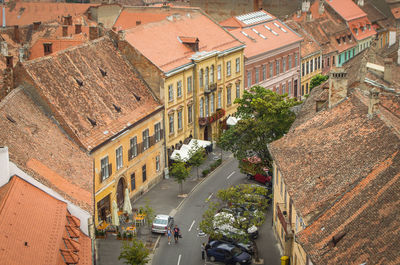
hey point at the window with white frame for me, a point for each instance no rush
(219, 99)
(158, 163)
(311, 65)
(264, 72)
(237, 65)
(171, 123)
(133, 147)
(206, 106)
(201, 108)
(144, 174)
(237, 90)
(212, 104)
(179, 88)
(248, 79)
(157, 132)
(219, 72)
(212, 74)
(104, 168)
(290, 62)
(189, 84)
(171, 92)
(228, 95)
(257, 75)
(180, 119)
(118, 157)
(206, 78)
(146, 139)
(228, 68)
(277, 67)
(283, 89)
(190, 113)
(284, 65)
(289, 88)
(271, 70)
(295, 60)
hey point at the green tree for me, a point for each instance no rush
(180, 171)
(149, 212)
(134, 253)
(265, 117)
(317, 80)
(255, 200)
(197, 156)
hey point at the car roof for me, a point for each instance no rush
(162, 216)
(226, 246)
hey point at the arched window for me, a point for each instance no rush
(206, 107)
(212, 74)
(201, 77)
(212, 103)
(201, 108)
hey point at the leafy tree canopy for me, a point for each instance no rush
(134, 253)
(265, 117)
(197, 156)
(180, 171)
(317, 80)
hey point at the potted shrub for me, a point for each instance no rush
(129, 236)
(124, 236)
(119, 235)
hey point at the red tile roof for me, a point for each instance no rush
(309, 45)
(130, 16)
(168, 52)
(361, 24)
(347, 9)
(24, 13)
(32, 225)
(91, 107)
(259, 39)
(38, 146)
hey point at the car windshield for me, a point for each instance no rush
(160, 221)
(236, 251)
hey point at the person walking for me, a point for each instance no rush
(203, 248)
(169, 235)
(176, 233)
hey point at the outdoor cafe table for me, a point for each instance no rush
(131, 229)
(103, 226)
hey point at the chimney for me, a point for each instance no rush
(309, 16)
(78, 28)
(337, 86)
(360, 2)
(321, 7)
(4, 166)
(121, 35)
(298, 13)
(387, 74)
(68, 20)
(21, 54)
(9, 61)
(64, 30)
(4, 17)
(93, 32)
(373, 102)
(138, 22)
(16, 34)
(4, 48)
(36, 25)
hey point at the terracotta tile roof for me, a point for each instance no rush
(347, 9)
(32, 224)
(259, 39)
(365, 221)
(396, 12)
(343, 138)
(373, 13)
(92, 90)
(38, 146)
(359, 28)
(24, 13)
(168, 53)
(309, 45)
(130, 16)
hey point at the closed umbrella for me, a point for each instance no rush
(114, 216)
(127, 203)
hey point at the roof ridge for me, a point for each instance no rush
(8, 186)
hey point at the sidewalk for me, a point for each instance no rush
(163, 198)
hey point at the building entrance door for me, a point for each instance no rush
(120, 192)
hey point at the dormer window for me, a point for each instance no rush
(338, 40)
(356, 31)
(369, 26)
(344, 39)
(349, 37)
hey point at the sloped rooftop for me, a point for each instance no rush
(94, 93)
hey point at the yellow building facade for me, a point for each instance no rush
(311, 65)
(134, 160)
(286, 222)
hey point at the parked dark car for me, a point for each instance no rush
(229, 254)
(249, 248)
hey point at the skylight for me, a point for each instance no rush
(253, 17)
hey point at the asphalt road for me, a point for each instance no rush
(188, 250)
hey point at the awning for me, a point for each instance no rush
(232, 120)
(184, 152)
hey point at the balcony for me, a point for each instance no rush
(214, 117)
(210, 88)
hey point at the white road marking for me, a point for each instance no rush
(179, 259)
(230, 175)
(190, 228)
(209, 197)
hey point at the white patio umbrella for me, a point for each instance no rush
(127, 203)
(231, 121)
(114, 215)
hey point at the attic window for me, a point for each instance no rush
(349, 37)
(338, 40)
(93, 122)
(103, 72)
(137, 97)
(344, 38)
(10, 119)
(79, 82)
(369, 26)
(118, 109)
(47, 48)
(356, 31)
(191, 42)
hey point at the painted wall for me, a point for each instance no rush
(134, 165)
(314, 65)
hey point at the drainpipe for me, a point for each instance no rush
(166, 171)
(91, 226)
(195, 116)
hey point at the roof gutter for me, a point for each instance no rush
(179, 69)
(126, 129)
(234, 49)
